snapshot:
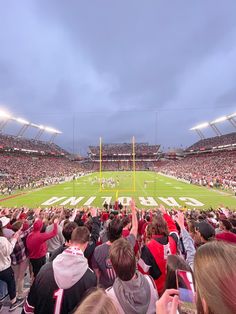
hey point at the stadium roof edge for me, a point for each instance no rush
(4, 115)
(218, 120)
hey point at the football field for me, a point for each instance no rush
(146, 187)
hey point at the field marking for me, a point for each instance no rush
(177, 188)
(67, 188)
(168, 183)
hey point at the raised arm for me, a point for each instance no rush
(187, 240)
(134, 229)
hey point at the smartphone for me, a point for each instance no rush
(185, 286)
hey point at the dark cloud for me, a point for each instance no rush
(118, 68)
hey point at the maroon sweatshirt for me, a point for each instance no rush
(36, 241)
(226, 236)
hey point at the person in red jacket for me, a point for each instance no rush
(154, 253)
(36, 245)
(226, 234)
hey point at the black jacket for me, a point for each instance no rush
(45, 297)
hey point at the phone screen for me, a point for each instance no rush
(186, 290)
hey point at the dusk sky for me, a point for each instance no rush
(115, 69)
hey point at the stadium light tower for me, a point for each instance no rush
(4, 117)
(231, 118)
(214, 127)
(25, 126)
(40, 132)
(198, 129)
(54, 133)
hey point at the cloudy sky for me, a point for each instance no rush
(114, 69)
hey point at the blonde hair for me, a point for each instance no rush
(97, 302)
(215, 277)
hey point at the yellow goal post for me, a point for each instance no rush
(133, 187)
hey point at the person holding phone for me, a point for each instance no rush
(215, 277)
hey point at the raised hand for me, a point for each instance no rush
(179, 218)
(162, 209)
(168, 304)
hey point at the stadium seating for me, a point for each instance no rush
(141, 149)
(20, 171)
(209, 143)
(10, 142)
(209, 169)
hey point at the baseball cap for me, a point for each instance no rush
(5, 221)
(206, 230)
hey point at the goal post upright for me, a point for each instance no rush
(133, 169)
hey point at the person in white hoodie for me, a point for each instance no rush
(6, 271)
(61, 284)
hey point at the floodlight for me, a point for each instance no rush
(23, 121)
(221, 119)
(200, 126)
(34, 125)
(231, 116)
(4, 115)
(41, 127)
(52, 130)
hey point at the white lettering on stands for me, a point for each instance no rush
(169, 201)
(72, 201)
(193, 201)
(147, 201)
(53, 200)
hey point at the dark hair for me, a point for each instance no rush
(174, 262)
(89, 224)
(1, 231)
(233, 230)
(78, 220)
(125, 221)
(80, 235)
(123, 259)
(114, 230)
(68, 229)
(159, 225)
(17, 225)
(226, 224)
(233, 222)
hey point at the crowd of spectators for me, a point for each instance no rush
(226, 139)
(118, 260)
(125, 149)
(22, 171)
(216, 169)
(20, 143)
(119, 165)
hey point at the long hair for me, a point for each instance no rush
(97, 303)
(174, 262)
(159, 226)
(1, 231)
(215, 277)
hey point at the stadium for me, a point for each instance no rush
(36, 173)
(40, 180)
(117, 157)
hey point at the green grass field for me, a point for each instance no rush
(159, 189)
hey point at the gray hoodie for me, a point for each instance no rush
(69, 267)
